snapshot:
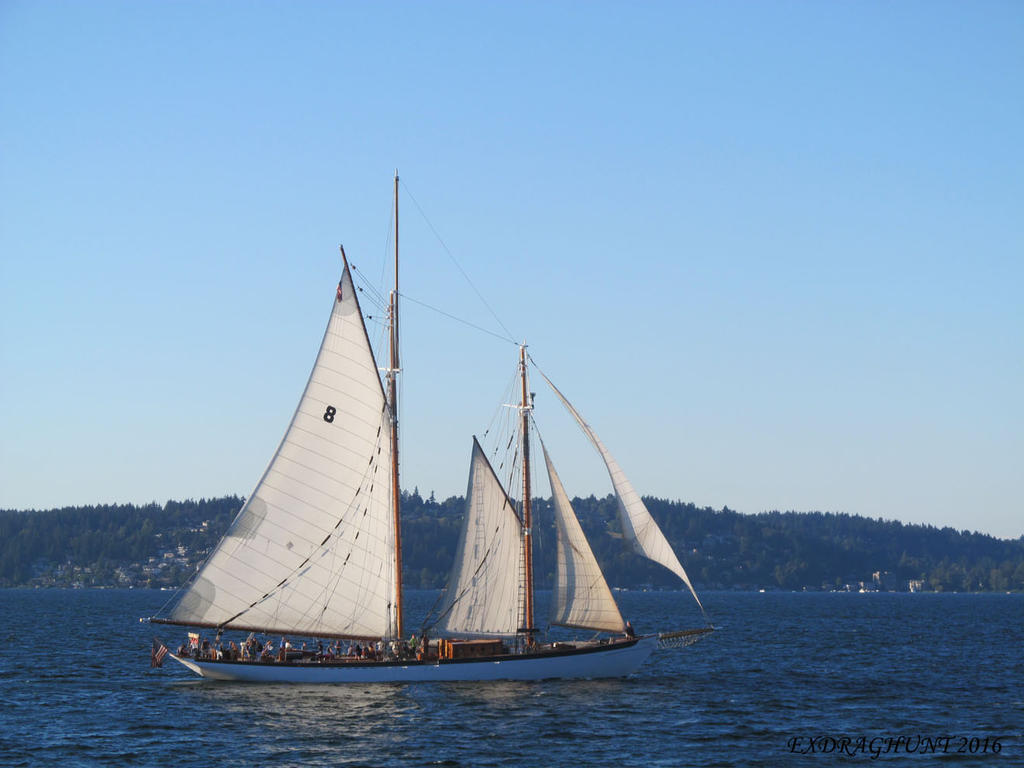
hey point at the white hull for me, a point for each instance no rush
(616, 660)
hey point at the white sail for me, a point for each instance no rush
(581, 597)
(312, 550)
(483, 596)
(638, 526)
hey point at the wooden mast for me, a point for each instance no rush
(396, 501)
(527, 513)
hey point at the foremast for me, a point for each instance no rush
(392, 373)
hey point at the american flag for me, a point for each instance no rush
(156, 658)
(339, 290)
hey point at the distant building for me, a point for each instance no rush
(886, 581)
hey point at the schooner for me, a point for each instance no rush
(316, 551)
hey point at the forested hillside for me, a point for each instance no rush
(154, 545)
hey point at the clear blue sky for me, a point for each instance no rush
(773, 251)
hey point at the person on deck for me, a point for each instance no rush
(629, 629)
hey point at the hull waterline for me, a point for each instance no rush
(615, 660)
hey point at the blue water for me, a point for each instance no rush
(76, 689)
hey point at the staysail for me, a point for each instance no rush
(312, 550)
(581, 597)
(638, 527)
(483, 596)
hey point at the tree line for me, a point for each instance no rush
(719, 548)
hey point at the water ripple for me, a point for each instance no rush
(787, 665)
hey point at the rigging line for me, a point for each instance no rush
(500, 411)
(374, 294)
(459, 319)
(370, 301)
(377, 308)
(368, 286)
(427, 624)
(454, 260)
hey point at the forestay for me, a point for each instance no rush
(638, 527)
(312, 550)
(484, 592)
(581, 597)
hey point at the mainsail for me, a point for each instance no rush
(483, 596)
(581, 597)
(638, 527)
(312, 550)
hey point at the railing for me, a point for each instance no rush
(683, 637)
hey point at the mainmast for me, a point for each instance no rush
(396, 502)
(525, 409)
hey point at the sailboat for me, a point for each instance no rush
(315, 551)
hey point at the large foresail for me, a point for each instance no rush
(483, 596)
(312, 550)
(581, 597)
(638, 527)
